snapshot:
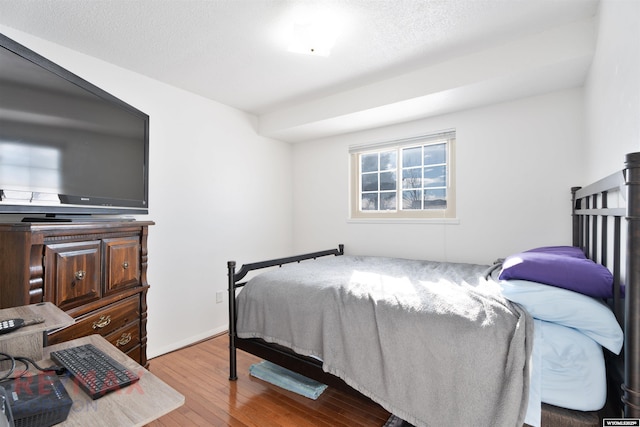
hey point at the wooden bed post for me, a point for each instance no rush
(233, 371)
(631, 386)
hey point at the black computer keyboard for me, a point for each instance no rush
(94, 371)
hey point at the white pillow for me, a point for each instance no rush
(588, 315)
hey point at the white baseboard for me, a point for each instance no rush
(155, 352)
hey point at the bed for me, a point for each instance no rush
(605, 232)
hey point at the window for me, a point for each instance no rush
(411, 178)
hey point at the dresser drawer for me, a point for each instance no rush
(136, 354)
(72, 275)
(103, 321)
(126, 338)
(122, 263)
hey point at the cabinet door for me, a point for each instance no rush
(72, 273)
(122, 263)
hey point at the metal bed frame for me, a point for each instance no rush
(606, 243)
(606, 235)
(277, 354)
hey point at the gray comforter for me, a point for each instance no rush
(433, 343)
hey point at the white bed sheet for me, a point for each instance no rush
(567, 370)
(570, 331)
(573, 369)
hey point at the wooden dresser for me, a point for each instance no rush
(95, 271)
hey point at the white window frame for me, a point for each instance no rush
(355, 152)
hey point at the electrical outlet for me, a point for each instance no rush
(219, 296)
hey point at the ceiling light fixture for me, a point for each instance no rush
(313, 34)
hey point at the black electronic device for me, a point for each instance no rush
(10, 325)
(6, 418)
(37, 401)
(67, 147)
(95, 372)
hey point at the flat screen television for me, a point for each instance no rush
(67, 147)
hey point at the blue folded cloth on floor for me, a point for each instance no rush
(287, 379)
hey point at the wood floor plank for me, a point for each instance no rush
(201, 373)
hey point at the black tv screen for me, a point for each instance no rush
(67, 146)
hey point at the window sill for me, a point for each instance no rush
(448, 221)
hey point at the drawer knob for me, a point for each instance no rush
(125, 265)
(102, 322)
(123, 340)
(80, 274)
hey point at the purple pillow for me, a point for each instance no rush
(564, 271)
(572, 251)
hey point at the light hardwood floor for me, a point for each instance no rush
(200, 372)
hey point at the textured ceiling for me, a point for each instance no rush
(232, 51)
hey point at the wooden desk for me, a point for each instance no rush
(28, 341)
(135, 405)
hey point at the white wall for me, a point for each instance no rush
(516, 163)
(218, 191)
(612, 92)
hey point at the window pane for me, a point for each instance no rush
(369, 162)
(412, 157)
(435, 176)
(369, 202)
(411, 199)
(405, 175)
(387, 181)
(388, 201)
(388, 160)
(434, 154)
(369, 182)
(412, 178)
(435, 199)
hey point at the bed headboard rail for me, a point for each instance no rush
(620, 252)
(592, 232)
